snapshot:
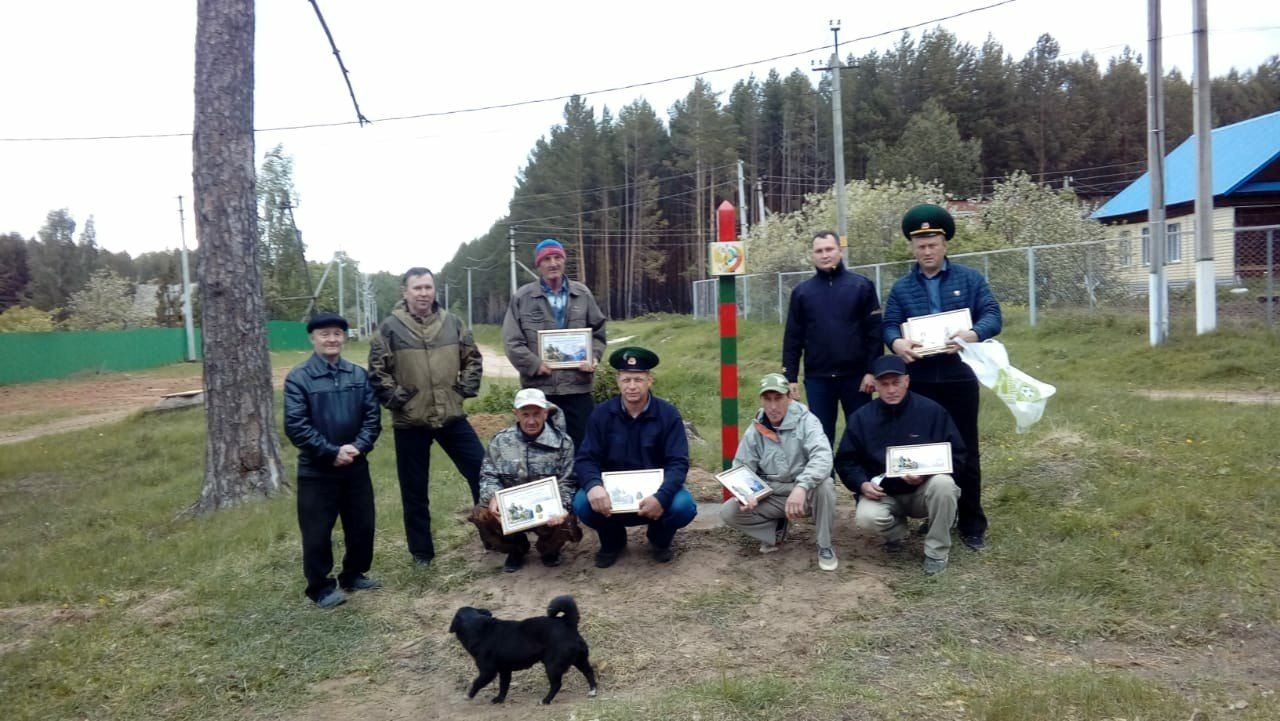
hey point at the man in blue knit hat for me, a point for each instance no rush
(553, 302)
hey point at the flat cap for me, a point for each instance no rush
(327, 320)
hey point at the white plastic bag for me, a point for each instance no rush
(1025, 396)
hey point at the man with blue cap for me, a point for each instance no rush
(634, 431)
(554, 302)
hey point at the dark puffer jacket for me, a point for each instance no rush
(960, 287)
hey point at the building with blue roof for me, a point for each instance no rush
(1246, 194)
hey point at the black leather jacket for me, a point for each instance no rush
(326, 407)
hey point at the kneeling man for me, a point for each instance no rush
(631, 432)
(787, 448)
(899, 417)
(536, 447)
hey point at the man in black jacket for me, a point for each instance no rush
(833, 320)
(900, 418)
(331, 415)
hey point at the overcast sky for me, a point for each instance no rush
(403, 193)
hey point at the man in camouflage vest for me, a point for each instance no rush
(536, 447)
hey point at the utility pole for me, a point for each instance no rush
(760, 211)
(469, 323)
(837, 135)
(446, 296)
(338, 256)
(1158, 298)
(188, 322)
(1206, 287)
(511, 242)
(360, 302)
(742, 202)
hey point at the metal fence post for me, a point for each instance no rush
(746, 297)
(781, 319)
(1271, 277)
(1031, 286)
(986, 266)
(878, 286)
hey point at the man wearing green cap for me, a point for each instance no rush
(788, 449)
(630, 432)
(550, 303)
(933, 285)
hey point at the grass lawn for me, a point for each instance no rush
(1133, 572)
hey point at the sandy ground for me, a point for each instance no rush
(95, 400)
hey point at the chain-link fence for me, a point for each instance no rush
(1110, 275)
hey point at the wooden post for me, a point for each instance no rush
(727, 231)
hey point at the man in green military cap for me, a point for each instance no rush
(933, 285)
(634, 431)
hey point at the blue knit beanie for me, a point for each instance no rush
(547, 247)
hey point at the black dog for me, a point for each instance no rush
(500, 647)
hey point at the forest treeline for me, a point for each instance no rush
(631, 193)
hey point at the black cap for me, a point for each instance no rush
(634, 358)
(327, 320)
(927, 219)
(887, 365)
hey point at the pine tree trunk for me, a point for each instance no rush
(242, 450)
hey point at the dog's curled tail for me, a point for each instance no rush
(565, 607)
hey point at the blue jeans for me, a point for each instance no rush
(824, 394)
(613, 529)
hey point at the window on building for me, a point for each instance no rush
(1146, 246)
(1173, 243)
(1126, 248)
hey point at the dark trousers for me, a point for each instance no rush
(550, 538)
(413, 466)
(824, 394)
(577, 408)
(960, 399)
(612, 529)
(322, 500)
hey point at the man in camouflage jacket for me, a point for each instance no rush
(536, 447)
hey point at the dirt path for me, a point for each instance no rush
(1246, 397)
(43, 408)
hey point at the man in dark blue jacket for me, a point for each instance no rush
(934, 284)
(833, 320)
(899, 417)
(634, 431)
(331, 415)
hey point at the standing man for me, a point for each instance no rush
(536, 447)
(933, 285)
(786, 448)
(634, 431)
(330, 414)
(834, 322)
(424, 363)
(551, 303)
(899, 417)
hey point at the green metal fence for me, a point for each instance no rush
(40, 356)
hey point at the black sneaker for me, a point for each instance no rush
(363, 583)
(604, 558)
(975, 542)
(551, 560)
(513, 563)
(923, 529)
(663, 555)
(780, 528)
(334, 598)
(423, 561)
(893, 546)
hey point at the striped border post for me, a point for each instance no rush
(727, 231)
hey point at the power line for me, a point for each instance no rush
(536, 101)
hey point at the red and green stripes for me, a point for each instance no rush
(727, 230)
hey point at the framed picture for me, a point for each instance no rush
(743, 484)
(567, 348)
(531, 504)
(933, 331)
(627, 488)
(922, 459)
